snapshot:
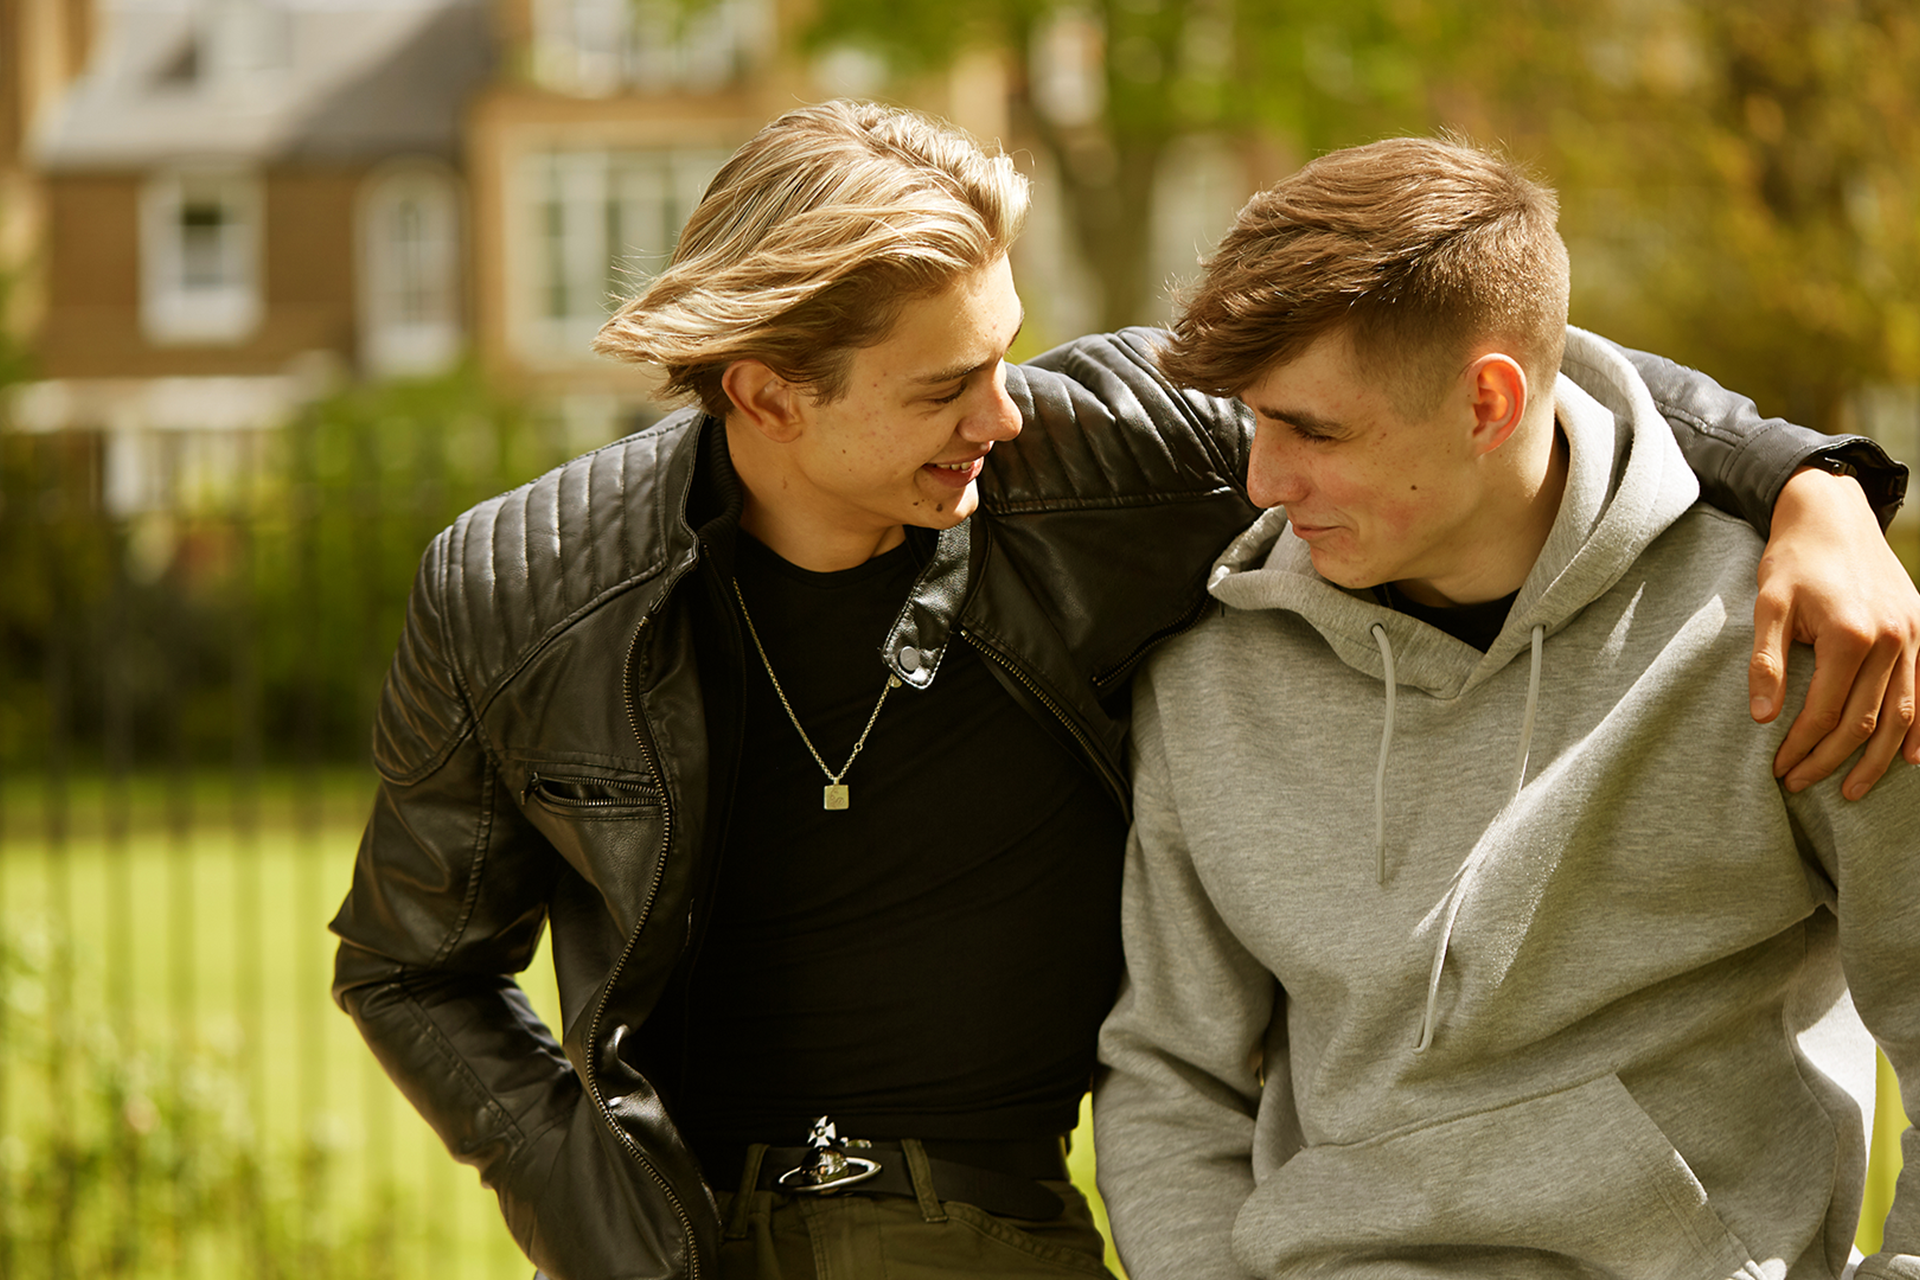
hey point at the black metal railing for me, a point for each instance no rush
(187, 678)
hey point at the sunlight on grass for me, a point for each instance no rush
(197, 958)
(204, 954)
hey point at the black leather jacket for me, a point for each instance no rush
(548, 749)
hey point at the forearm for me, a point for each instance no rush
(1175, 1162)
(467, 1051)
(1870, 851)
(424, 969)
(1176, 1101)
(1112, 384)
(482, 1070)
(1744, 460)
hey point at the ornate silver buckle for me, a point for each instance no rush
(827, 1167)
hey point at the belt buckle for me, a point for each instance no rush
(827, 1167)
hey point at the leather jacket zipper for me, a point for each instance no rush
(1124, 668)
(1046, 700)
(646, 910)
(551, 788)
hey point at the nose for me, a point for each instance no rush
(998, 418)
(1274, 477)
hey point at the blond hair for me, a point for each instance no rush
(809, 242)
(1417, 247)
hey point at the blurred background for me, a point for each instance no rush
(286, 284)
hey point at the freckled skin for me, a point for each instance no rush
(1351, 493)
(1451, 508)
(863, 466)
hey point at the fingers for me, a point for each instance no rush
(1852, 684)
(1828, 578)
(1912, 751)
(1898, 730)
(1903, 702)
(1767, 672)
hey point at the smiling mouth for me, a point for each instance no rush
(958, 472)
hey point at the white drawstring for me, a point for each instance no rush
(1453, 900)
(1380, 770)
(1457, 891)
(1533, 703)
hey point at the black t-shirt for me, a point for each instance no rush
(933, 961)
(1475, 624)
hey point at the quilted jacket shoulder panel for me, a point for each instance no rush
(514, 571)
(1077, 449)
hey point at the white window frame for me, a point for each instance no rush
(594, 226)
(408, 296)
(208, 292)
(598, 47)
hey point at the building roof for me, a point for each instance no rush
(256, 81)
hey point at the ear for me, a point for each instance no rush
(1497, 387)
(764, 401)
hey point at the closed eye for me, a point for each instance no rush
(1312, 428)
(957, 393)
(1305, 429)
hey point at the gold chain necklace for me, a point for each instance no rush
(835, 795)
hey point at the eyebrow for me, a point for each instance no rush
(950, 375)
(1302, 419)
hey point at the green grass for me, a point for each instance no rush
(193, 942)
(199, 961)
(201, 954)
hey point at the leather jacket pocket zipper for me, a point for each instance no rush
(579, 795)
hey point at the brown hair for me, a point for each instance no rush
(1417, 247)
(809, 242)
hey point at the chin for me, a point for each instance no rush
(1345, 576)
(929, 513)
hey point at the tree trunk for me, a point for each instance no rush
(1108, 183)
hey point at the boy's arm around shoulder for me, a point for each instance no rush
(1133, 431)
(1744, 460)
(1179, 1086)
(449, 899)
(1828, 578)
(1870, 851)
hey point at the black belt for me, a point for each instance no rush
(1002, 1178)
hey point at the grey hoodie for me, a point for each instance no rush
(1508, 964)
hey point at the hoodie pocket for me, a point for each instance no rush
(1576, 1183)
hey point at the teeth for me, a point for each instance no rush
(954, 466)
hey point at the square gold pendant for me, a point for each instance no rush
(835, 796)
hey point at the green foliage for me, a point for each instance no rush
(142, 1162)
(1745, 180)
(1739, 182)
(16, 363)
(255, 621)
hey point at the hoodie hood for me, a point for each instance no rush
(1481, 1009)
(1627, 481)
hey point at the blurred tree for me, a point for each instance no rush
(1739, 181)
(1109, 87)
(1741, 185)
(15, 362)
(270, 610)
